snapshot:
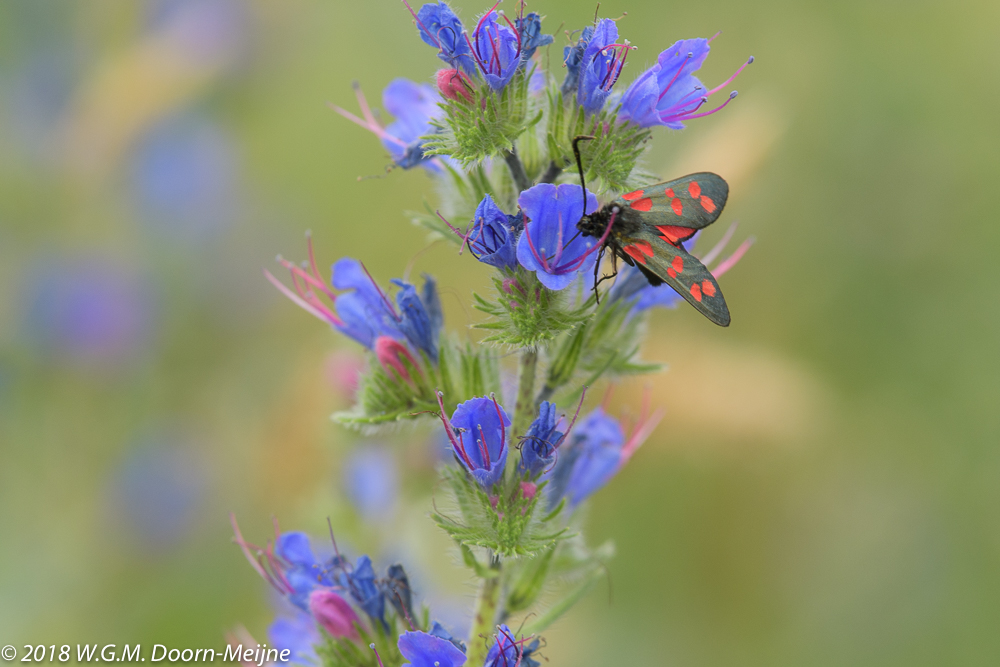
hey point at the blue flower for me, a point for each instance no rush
(593, 456)
(396, 589)
(509, 651)
(296, 634)
(478, 435)
(497, 50)
(438, 630)
(573, 58)
(668, 93)
(441, 28)
(530, 30)
(414, 106)
(371, 481)
(541, 441)
(425, 650)
(300, 569)
(491, 239)
(364, 311)
(600, 66)
(420, 316)
(360, 583)
(551, 245)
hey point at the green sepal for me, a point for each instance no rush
(610, 158)
(482, 571)
(509, 529)
(525, 312)
(528, 582)
(346, 652)
(486, 126)
(384, 398)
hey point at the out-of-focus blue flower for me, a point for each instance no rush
(213, 31)
(496, 49)
(298, 568)
(89, 310)
(364, 310)
(426, 650)
(297, 634)
(491, 239)
(360, 583)
(441, 28)
(160, 488)
(573, 59)
(669, 93)
(396, 589)
(413, 105)
(421, 318)
(478, 435)
(600, 66)
(184, 178)
(530, 30)
(538, 449)
(361, 312)
(551, 245)
(594, 454)
(371, 480)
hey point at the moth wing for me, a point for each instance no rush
(663, 262)
(693, 202)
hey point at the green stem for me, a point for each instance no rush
(517, 169)
(524, 409)
(484, 621)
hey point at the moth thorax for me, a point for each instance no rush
(594, 224)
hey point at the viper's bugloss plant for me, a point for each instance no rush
(535, 159)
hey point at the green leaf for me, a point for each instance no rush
(527, 585)
(555, 612)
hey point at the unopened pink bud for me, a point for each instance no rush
(389, 353)
(453, 83)
(528, 490)
(333, 613)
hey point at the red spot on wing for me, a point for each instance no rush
(674, 235)
(670, 193)
(708, 288)
(639, 250)
(694, 189)
(643, 204)
(678, 264)
(631, 196)
(708, 204)
(677, 206)
(696, 292)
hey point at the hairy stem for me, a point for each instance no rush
(551, 174)
(484, 620)
(517, 169)
(524, 409)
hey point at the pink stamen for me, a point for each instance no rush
(389, 351)
(484, 451)
(677, 74)
(324, 314)
(503, 429)
(385, 299)
(541, 258)
(377, 130)
(459, 445)
(732, 259)
(644, 428)
(732, 96)
(730, 79)
(419, 23)
(377, 656)
(720, 246)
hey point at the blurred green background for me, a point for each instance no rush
(825, 488)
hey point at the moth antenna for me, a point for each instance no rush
(579, 164)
